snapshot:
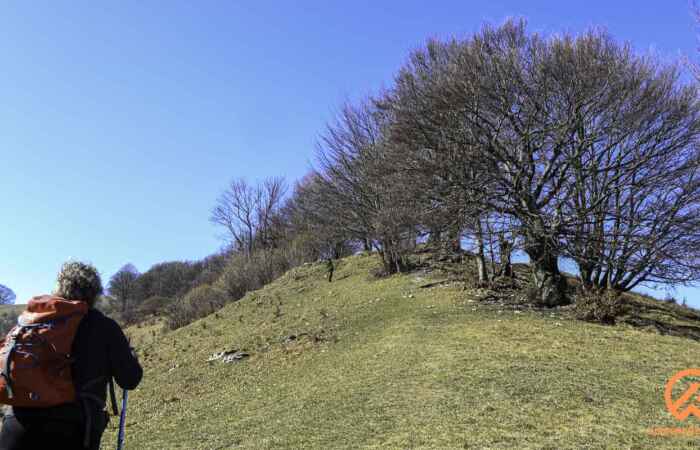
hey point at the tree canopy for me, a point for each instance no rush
(7, 296)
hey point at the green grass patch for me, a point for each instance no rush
(387, 364)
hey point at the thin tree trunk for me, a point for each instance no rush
(434, 238)
(482, 274)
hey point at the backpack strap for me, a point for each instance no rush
(113, 397)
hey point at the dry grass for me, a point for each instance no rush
(386, 364)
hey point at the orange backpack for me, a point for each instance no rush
(35, 356)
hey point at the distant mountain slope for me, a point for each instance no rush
(365, 363)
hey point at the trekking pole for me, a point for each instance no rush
(122, 421)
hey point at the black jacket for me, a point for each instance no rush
(101, 351)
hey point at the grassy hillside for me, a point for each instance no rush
(404, 362)
(8, 309)
(8, 317)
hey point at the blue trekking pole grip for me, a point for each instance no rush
(122, 421)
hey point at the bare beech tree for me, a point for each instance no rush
(272, 195)
(236, 211)
(631, 189)
(518, 126)
(360, 188)
(7, 296)
(442, 153)
(122, 286)
(247, 212)
(638, 212)
(310, 217)
(500, 85)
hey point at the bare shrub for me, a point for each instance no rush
(154, 305)
(199, 302)
(242, 274)
(235, 280)
(599, 306)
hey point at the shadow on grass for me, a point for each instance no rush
(663, 317)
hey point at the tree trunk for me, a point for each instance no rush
(505, 251)
(392, 260)
(452, 241)
(586, 275)
(337, 250)
(545, 273)
(434, 238)
(482, 274)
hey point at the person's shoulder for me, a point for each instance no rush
(96, 314)
(104, 322)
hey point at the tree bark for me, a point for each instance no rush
(434, 238)
(505, 251)
(392, 259)
(452, 241)
(586, 275)
(545, 273)
(481, 272)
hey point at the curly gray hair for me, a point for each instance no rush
(79, 281)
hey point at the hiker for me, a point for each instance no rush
(99, 352)
(330, 268)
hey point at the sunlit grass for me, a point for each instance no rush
(386, 364)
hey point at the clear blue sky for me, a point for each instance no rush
(120, 122)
